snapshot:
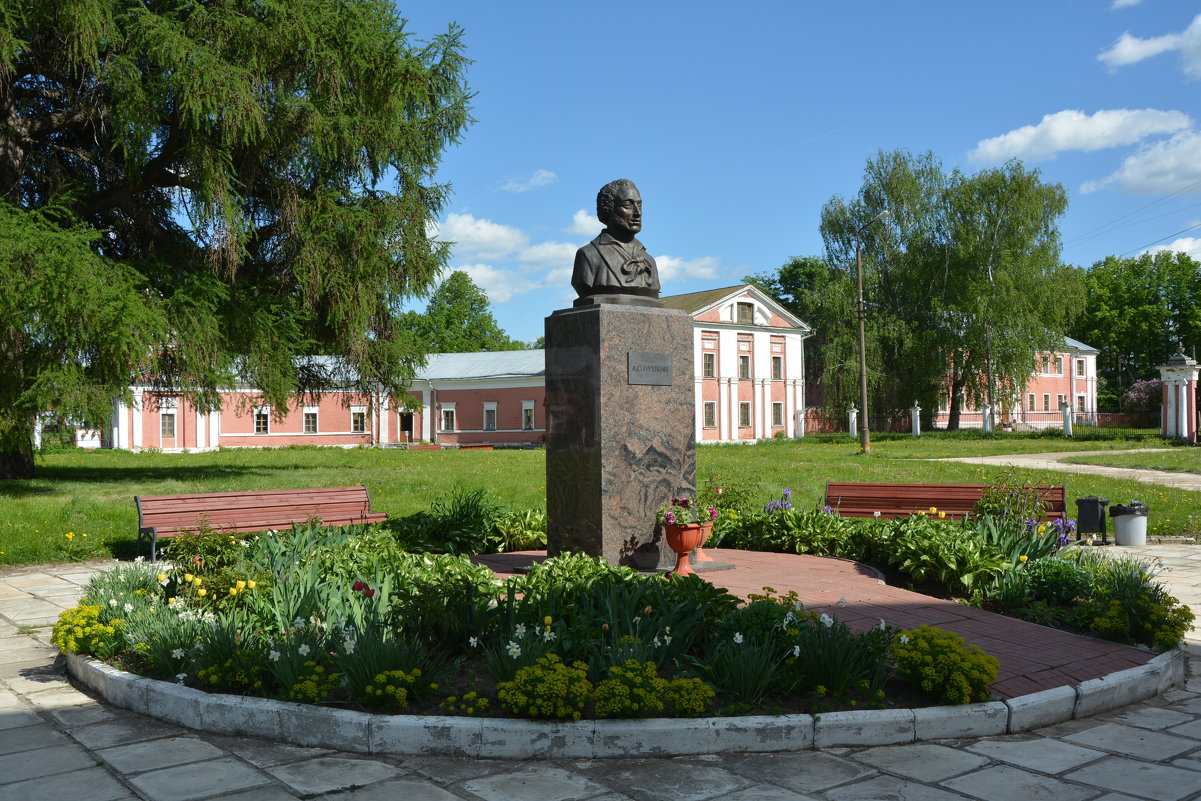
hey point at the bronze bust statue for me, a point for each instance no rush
(615, 267)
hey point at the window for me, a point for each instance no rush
(709, 365)
(358, 419)
(744, 366)
(777, 414)
(490, 416)
(777, 368)
(1058, 365)
(1046, 364)
(262, 420)
(1030, 401)
(166, 425)
(1046, 402)
(1059, 401)
(944, 401)
(310, 419)
(746, 313)
(744, 415)
(527, 415)
(1080, 403)
(710, 414)
(448, 419)
(1080, 368)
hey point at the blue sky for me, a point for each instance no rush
(739, 121)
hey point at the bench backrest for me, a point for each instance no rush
(252, 511)
(861, 499)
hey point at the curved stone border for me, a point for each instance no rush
(508, 738)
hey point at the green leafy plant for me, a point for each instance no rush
(742, 669)
(1006, 498)
(521, 531)
(944, 664)
(935, 550)
(632, 690)
(684, 511)
(80, 630)
(547, 689)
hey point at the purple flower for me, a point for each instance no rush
(787, 494)
(828, 509)
(712, 513)
(668, 517)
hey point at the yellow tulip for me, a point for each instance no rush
(250, 585)
(187, 578)
(161, 576)
(202, 592)
(1023, 558)
(241, 585)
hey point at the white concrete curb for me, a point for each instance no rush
(507, 738)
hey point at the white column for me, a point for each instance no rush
(215, 429)
(1066, 411)
(915, 415)
(426, 410)
(383, 418)
(1182, 406)
(137, 418)
(1170, 414)
(790, 417)
(201, 438)
(762, 420)
(118, 425)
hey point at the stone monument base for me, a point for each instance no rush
(621, 432)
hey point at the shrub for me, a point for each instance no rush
(547, 689)
(1058, 581)
(942, 663)
(943, 552)
(1005, 498)
(392, 689)
(633, 690)
(689, 697)
(81, 631)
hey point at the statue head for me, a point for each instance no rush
(619, 207)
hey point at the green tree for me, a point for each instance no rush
(962, 278)
(198, 190)
(1008, 289)
(1139, 312)
(458, 319)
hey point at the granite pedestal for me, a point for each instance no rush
(621, 437)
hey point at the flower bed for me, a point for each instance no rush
(345, 617)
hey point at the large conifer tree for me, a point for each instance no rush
(196, 189)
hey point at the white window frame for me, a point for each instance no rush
(749, 308)
(1080, 371)
(710, 414)
(1046, 402)
(163, 417)
(265, 413)
(744, 414)
(1033, 403)
(744, 367)
(527, 415)
(1081, 402)
(489, 408)
(358, 419)
(447, 409)
(1059, 401)
(777, 368)
(304, 419)
(777, 414)
(708, 365)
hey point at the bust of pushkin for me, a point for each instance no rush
(615, 267)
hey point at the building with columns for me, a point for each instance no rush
(1179, 418)
(748, 369)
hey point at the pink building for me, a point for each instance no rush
(749, 375)
(1067, 376)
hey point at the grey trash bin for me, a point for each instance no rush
(1130, 523)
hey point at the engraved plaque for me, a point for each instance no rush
(651, 369)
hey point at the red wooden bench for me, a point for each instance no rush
(859, 499)
(170, 515)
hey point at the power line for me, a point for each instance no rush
(1157, 241)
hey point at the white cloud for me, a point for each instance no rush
(539, 179)
(584, 223)
(549, 255)
(1124, 4)
(1168, 166)
(500, 285)
(1188, 244)
(1075, 130)
(480, 238)
(671, 268)
(1131, 49)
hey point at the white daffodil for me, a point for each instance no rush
(841, 603)
(178, 653)
(738, 637)
(303, 650)
(514, 649)
(826, 620)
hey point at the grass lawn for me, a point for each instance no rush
(1183, 459)
(91, 492)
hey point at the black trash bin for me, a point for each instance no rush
(1090, 517)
